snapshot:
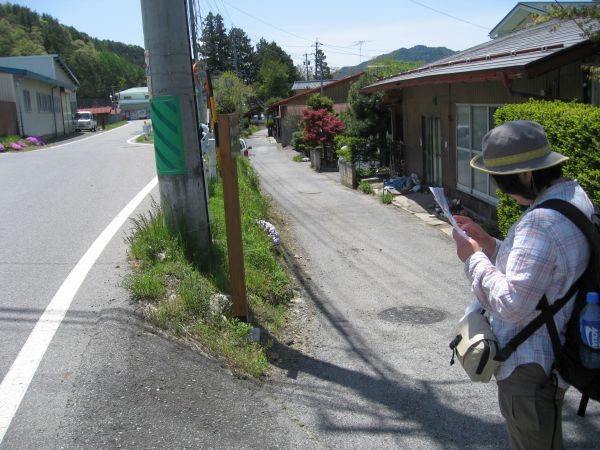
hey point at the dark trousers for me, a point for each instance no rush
(531, 403)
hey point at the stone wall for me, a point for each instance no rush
(347, 174)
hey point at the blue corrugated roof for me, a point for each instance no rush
(36, 76)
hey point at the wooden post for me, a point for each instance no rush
(228, 142)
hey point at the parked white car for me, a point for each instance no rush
(85, 120)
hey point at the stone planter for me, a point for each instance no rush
(347, 173)
(315, 158)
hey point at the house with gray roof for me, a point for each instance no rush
(441, 111)
(305, 85)
(37, 96)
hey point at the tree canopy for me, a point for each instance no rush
(99, 65)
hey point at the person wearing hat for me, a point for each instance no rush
(543, 253)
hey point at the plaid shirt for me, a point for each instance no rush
(543, 253)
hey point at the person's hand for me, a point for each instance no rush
(465, 247)
(475, 232)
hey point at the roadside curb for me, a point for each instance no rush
(422, 214)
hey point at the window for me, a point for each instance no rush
(44, 102)
(472, 123)
(26, 101)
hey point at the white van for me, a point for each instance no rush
(85, 120)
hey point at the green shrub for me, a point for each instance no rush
(508, 212)
(298, 142)
(366, 187)
(318, 101)
(366, 172)
(387, 198)
(355, 147)
(573, 129)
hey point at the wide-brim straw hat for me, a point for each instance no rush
(516, 147)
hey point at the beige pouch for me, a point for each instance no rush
(475, 347)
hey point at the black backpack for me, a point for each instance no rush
(567, 359)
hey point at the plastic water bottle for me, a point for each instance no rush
(589, 327)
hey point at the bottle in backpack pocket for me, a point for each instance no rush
(589, 327)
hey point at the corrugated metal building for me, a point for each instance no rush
(441, 111)
(37, 96)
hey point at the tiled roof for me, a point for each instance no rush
(513, 51)
(101, 110)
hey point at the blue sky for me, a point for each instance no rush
(383, 25)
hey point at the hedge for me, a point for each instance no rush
(573, 129)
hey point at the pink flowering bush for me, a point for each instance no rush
(2, 148)
(35, 140)
(15, 146)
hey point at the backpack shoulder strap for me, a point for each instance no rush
(547, 311)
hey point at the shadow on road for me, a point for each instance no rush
(409, 406)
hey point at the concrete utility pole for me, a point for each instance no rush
(307, 65)
(176, 141)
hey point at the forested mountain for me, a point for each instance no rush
(99, 65)
(417, 54)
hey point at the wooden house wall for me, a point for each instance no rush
(440, 100)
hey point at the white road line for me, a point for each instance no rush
(17, 380)
(92, 136)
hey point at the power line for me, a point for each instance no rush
(448, 15)
(267, 23)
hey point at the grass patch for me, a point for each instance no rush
(142, 138)
(247, 132)
(366, 187)
(387, 198)
(184, 295)
(110, 126)
(298, 158)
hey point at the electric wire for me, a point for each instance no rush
(447, 15)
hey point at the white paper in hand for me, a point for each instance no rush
(440, 198)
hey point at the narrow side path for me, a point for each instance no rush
(388, 290)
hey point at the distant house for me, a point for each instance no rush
(37, 96)
(287, 113)
(523, 15)
(134, 103)
(441, 111)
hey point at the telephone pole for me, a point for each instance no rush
(307, 66)
(174, 118)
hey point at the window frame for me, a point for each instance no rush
(489, 196)
(26, 101)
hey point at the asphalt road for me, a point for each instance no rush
(381, 292)
(106, 380)
(387, 290)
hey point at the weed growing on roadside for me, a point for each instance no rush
(387, 198)
(366, 187)
(298, 158)
(179, 292)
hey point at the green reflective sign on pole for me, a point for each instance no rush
(168, 135)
